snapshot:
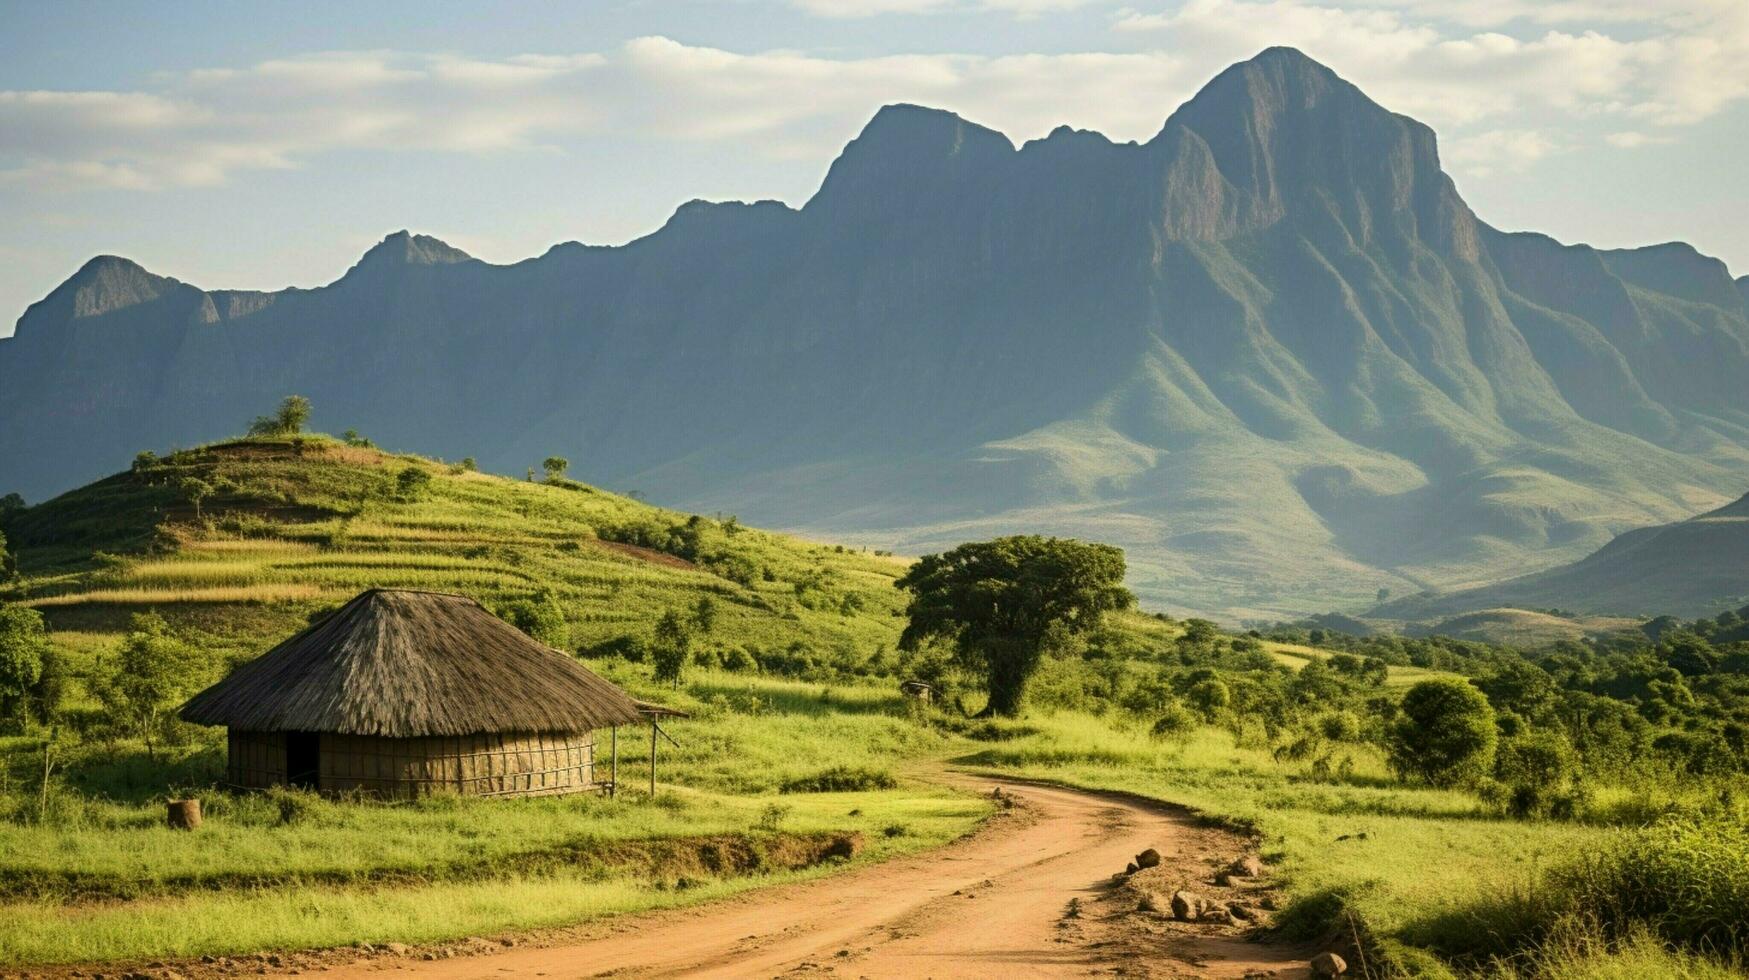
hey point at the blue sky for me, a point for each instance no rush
(257, 146)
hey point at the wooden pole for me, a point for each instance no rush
(613, 774)
(652, 757)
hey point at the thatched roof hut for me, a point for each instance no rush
(402, 693)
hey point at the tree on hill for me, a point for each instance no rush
(24, 647)
(195, 491)
(555, 467)
(704, 615)
(293, 412)
(1000, 601)
(669, 651)
(8, 565)
(1445, 733)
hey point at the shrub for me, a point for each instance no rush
(1688, 881)
(1339, 726)
(631, 647)
(1210, 698)
(1537, 767)
(737, 660)
(1445, 734)
(412, 483)
(1175, 721)
(841, 779)
(540, 617)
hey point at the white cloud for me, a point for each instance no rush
(1487, 153)
(1506, 82)
(1501, 99)
(204, 126)
(1675, 64)
(1631, 140)
(875, 8)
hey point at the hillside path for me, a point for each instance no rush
(997, 903)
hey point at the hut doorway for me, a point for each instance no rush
(303, 759)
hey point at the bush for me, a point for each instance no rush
(540, 617)
(1445, 734)
(841, 779)
(1688, 881)
(412, 483)
(1175, 721)
(1538, 768)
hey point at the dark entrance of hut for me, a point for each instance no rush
(303, 759)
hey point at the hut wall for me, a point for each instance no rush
(255, 759)
(471, 765)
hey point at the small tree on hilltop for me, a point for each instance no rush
(673, 643)
(24, 646)
(555, 467)
(1001, 601)
(293, 412)
(1445, 733)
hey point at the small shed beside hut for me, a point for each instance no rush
(402, 694)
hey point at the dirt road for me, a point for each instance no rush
(1031, 895)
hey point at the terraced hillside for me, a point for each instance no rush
(293, 526)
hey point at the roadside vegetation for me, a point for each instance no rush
(1450, 807)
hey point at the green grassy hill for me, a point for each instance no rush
(296, 526)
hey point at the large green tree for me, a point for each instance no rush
(154, 669)
(1445, 733)
(1000, 601)
(24, 646)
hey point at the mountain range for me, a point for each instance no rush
(1270, 351)
(1690, 569)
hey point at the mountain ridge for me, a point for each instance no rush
(1271, 351)
(1690, 568)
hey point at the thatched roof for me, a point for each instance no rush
(403, 664)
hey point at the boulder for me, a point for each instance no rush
(1246, 867)
(1131, 868)
(1149, 858)
(1241, 911)
(1328, 965)
(1218, 916)
(1186, 906)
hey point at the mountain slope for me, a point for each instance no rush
(1270, 351)
(296, 526)
(1688, 569)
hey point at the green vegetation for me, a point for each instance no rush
(1001, 602)
(1458, 807)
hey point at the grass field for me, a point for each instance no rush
(295, 527)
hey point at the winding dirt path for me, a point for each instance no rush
(1030, 895)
